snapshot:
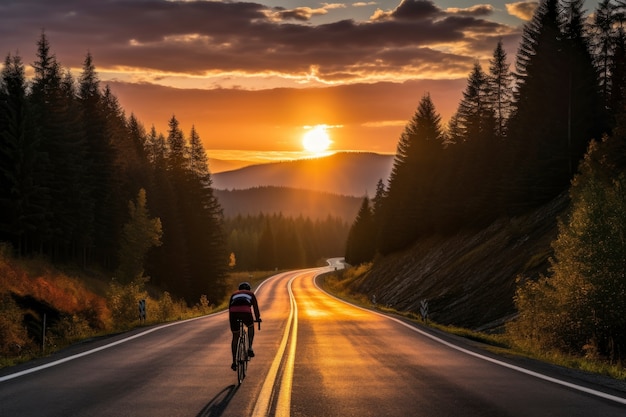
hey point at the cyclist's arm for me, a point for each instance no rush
(255, 307)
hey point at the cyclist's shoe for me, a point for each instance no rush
(250, 353)
(233, 366)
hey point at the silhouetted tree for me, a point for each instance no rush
(361, 242)
(501, 89)
(22, 199)
(406, 210)
(557, 103)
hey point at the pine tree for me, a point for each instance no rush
(20, 192)
(538, 128)
(476, 115)
(406, 211)
(587, 118)
(209, 256)
(266, 249)
(501, 89)
(99, 160)
(360, 246)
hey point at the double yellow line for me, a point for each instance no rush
(283, 402)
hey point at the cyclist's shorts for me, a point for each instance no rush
(247, 319)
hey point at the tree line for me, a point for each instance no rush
(272, 241)
(514, 142)
(517, 141)
(82, 183)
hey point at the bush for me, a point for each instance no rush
(13, 335)
(123, 300)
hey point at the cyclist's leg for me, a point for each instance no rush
(233, 344)
(249, 322)
(250, 335)
(234, 328)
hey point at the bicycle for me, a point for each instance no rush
(241, 355)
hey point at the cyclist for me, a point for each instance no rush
(240, 307)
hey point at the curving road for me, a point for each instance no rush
(316, 356)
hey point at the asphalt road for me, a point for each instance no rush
(316, 356)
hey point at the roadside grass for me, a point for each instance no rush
(82, 305)
(339, 285)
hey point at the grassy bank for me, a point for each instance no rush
(44, 308)
(340, 283)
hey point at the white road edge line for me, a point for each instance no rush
(98, 349)
(110, 345)
(488, 359)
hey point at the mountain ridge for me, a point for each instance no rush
(343, 173)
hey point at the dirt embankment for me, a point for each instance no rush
(469, 279)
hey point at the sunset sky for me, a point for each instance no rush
(253, 76)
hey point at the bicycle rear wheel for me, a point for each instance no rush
(242, 357)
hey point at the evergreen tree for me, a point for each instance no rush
(557, 104)
(176, 243)
(476, 115)
(617, 99)
(99, 160)
(20, 156)
(500, 89)
(406, 209)
(266, 249)
(587, 118)
(204, 218)
(69, 218)
(360, 246)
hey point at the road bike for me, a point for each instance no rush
(241, 355)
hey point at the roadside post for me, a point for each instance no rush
(424, 310)
(142, 311)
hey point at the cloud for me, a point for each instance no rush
(302, 14)
(476, 11)
(203, 38)
(410, 10)
(523, 10)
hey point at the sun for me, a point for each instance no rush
(316, 139)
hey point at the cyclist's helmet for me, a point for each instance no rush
(244, 286)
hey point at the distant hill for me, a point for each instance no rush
(345, 173)
(221, 165)
(290, 202)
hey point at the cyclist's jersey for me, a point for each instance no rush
(243, 301)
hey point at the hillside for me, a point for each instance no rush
(288, 201)
(345, 173)
(468, 279)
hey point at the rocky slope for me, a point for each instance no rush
(469, 279)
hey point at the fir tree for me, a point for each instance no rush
(500, 89)
(20, 156)
(360, 246)
(405, 212)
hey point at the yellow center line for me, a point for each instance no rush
(283, 406)
(261, 408)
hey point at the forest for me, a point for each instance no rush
(83, 184)
(519, 139)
